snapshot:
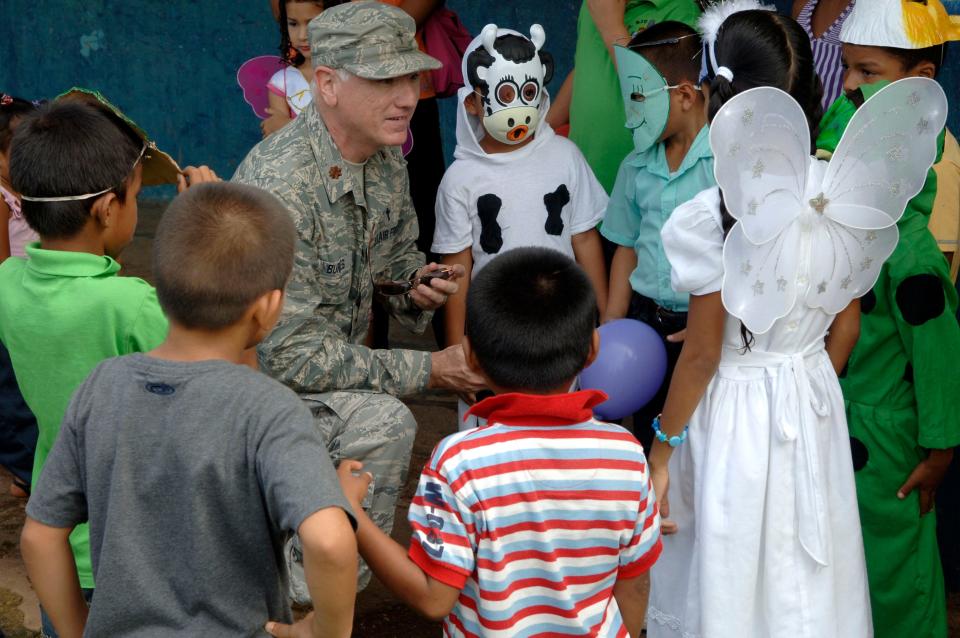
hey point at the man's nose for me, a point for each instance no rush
(409, 93)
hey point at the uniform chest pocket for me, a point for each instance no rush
(334, 274)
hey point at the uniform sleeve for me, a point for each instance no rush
(589, 198)
(59, 498)
(403, 260)
(644, 545)
(454, 231)
(443, 542)
(150, 326)
(693, 242)
(621, 222)
(308, 354)
(293, 465)
(923, 304)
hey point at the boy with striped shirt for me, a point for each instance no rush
(542, 521)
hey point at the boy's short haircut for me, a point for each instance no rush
(218, 248)
(64, 149)
(910, 58)
(531, 313)
(677, 61)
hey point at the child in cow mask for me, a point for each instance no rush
(513, 182)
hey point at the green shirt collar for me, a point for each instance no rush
(64, 263)
(654, 159)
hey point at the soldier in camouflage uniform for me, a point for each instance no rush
(339, 170)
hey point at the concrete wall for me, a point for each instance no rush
(171, 64)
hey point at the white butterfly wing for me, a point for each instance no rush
(761, 143)
(885, 153)
(760, 281)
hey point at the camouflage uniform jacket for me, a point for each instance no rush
(349, 235)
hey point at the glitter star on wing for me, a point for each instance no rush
(823, 228)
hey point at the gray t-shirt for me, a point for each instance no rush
(190, 475)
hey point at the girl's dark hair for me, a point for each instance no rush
(290, 55)
(763, 48)
(11, 110)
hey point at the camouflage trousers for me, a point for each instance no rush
(372, 427)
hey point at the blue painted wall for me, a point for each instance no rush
(171, 65)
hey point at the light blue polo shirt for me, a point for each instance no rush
(644, 196)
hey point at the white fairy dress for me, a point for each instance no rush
(763, 492)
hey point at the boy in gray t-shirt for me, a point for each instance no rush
(190, 468)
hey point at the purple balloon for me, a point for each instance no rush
(630, 367)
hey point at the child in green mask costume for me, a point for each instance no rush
(671, 162)
(901, 385)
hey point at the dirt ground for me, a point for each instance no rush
(378, 613)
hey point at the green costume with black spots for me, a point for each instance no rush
(900, 388)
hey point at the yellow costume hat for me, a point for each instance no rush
(901, 24)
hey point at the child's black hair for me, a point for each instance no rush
(218, 248)
(289, 54)
(68, 148)
(678, 55)
(12, 109)
(512, 47)
(910, 58)
(531, 313)
(763, 48)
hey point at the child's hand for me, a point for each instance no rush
(660, 478)
(677, 337)
(192, 175)
(275, 122)
(354, 482)
(301, 629)
(926, 477)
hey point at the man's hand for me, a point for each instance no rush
(301, 629)
(435, 295)
(193, 175)
(354, 482)
(926, 477)
(449, 371)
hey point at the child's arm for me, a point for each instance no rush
(696, 366)
(330, 566)
(843, 335)
(618, 298)
(455, 314)
(559, 113)
(53, 574)
(4, 230)
(589, 254)
(279, 114)
(419, 10)
(631, 598)
(388, 559)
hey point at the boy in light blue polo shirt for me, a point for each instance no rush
(671, 163)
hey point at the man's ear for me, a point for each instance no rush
(326, 80)
(594, 348)
(105, 209)
(924, 69)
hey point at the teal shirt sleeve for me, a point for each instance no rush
(621, 222)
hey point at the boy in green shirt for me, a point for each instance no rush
(900, 385)
(79, 167)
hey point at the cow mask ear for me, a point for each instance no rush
(537, 36)
(488, 36)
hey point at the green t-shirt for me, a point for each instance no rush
(596, 110)
(62, 314)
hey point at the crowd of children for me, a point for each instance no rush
(780, 484)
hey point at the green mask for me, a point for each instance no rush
(646, 97)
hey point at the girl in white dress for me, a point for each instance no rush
(752, 465)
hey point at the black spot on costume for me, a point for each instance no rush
(555, 202)
(491, 237)
(920, 299)
(859, 452)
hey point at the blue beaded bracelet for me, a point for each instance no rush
(672, 441)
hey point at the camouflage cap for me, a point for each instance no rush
(158, 167)
(369, 39)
